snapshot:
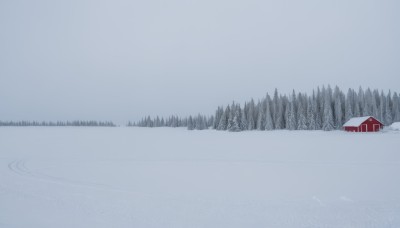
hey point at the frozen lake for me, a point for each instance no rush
(140, 177)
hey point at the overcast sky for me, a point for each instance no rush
(119, 60)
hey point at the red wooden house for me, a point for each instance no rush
(363, 124)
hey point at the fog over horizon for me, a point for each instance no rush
(122, 60)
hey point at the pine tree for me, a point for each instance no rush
(223, 123)
(292, 114)
(367, 108)
(301, 116)
(269, 125)
(382, 108)
(279, 114)
(361, 100)
(388, 119)
(275, 107)
(310, 115)
(357, 110)
(327, 124)
(374, 107)
(348, 107)
(218, 115)
(319, 104)
(234, 122)
(200, 123)
(244, 121)
(261, 116)
(231, 116)
(317, 111)
(287, 116)
(210, 122)
(251, 124)
(338, 113)
(190, 125)
(396, 108)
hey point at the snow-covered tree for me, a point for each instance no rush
(388, 119)
(190, 124)
(326, 109)
(251, 123)
(244, 120)
(311, 121)
(348, 107)
(217, 118)
(396, 108)
(235, 119)
(279, 117)
(327, 123)
(269, 125)
(338, 113)
(275, 107)
(223, 123)
(261, 116)
(301, 117)
(292, 114)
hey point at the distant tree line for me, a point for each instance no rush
(325, 109)
(199, 122)
(76, 123)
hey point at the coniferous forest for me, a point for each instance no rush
(76, 123)
(325, 109)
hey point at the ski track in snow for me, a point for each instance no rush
(19, 167)
(48, 199)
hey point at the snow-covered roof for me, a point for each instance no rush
(395, 126)
(357, 121)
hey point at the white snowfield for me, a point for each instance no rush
(140, 177)
(395, 126)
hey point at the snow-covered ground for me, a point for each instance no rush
(140, 177)
(395, 126)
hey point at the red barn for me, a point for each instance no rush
(363, 124)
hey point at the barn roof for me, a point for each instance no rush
(357, 121)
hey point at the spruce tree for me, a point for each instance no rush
(244, 121)
(327, 124)
(223, 123)
(388, 119)
(301, 116)
(235, 120)
(275, 107)
(292, 114)
(269, 125)
(218, 115)
(338, 113)
(200, 123)
(311, 115)
(396, 108)
(190, 125)
(251, 124)
(348, 109)
(279, 114)
(261, 116)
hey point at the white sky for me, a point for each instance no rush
(119, 60)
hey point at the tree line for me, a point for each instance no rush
(76, 123)
(325, 109)
(199, 122)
